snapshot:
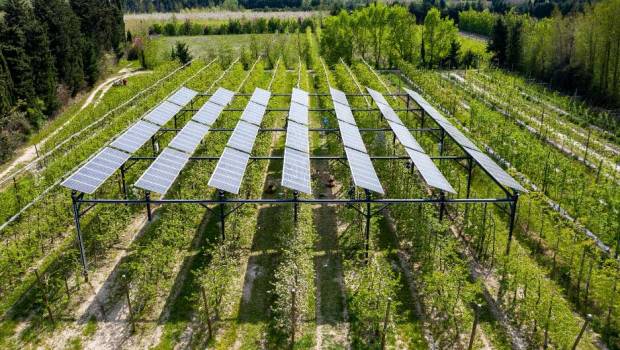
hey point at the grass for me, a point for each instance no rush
(205, 45)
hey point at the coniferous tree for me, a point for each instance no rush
(498, 42)
(42, 63)
(513, 50)
(63, 31)
(13, 38)
(6, 86)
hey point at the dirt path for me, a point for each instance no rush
(29, 153)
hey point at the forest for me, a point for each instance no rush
(49, 51)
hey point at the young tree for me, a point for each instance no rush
(181, 52)
(498, 42)
(453, 56)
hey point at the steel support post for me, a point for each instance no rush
(153, 145)
(442, 205)
(124, 184)
(295, 207)
(513, 217)
(470, 169)
(222, 215)
(368, 214)
(147, 197)
(76, 217)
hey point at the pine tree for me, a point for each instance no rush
(498, 42)
(513, 59)
(13, 39)
(42, 63)
(63, 30)
(6, 87)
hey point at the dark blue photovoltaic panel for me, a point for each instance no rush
(163, 113)
(363, 171)
(132, 139)
(183, 96)
(296, 171)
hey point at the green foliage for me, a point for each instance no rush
(437, 38)
(477, 22)
(498, 43)
(181, 52)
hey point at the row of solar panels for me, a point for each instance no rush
(296, 170)
(232, 165)
(484, 161)
(362, 170)
(99, 168)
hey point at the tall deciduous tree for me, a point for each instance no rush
(6, 86)
(437, 36)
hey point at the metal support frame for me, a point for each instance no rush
(222, 197)
(513, 219)
(123, 183)
(75, 204)
(295, 207)
(147, 198)
(368, 215)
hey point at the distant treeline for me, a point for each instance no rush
(178, 5)
(234, 26)
(578, 52)
(49, 50)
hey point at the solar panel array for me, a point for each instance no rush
(231, 166)
(89, 177)
(96, 171)
(296, 170)
(430, 173)
(162, 173)
(362, 170)
(494, 170)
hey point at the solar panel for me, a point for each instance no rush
(96, 171)
(377, 97)
(261, 96)
(132, 139)
(351, 136)
(163, 113)
(458, 136)
(389, 114)
(404, 137)
(208, 113)
(296, 171)
(363, 171)
(338, 96)
(344, 113)
(189, 137)
(229, 170)
(183, 96)
(298, 113)
(430, 110)
(297, 136)
(495, 171)
(243, 137)
(301, 97)
(222, 97)
(253, 113)
(430, 173)
(163, 171)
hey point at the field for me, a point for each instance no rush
(140, 22)
(427, 275)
